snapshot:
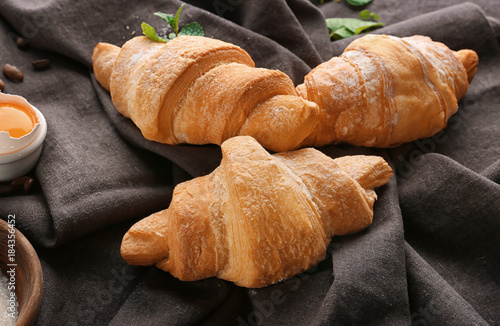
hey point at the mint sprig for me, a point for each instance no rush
(192, 28)
(367, 14)
(340, 28)
(150, 32)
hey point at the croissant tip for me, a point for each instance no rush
(470, 60)
(103, 59)
(142, 246)
(267, 123)
(129, 252)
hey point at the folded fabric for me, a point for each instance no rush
(430, 257)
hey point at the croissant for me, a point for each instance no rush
(384, 90)
(258, 218)
(200, 90)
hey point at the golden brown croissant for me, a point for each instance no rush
(258, 218)
(384, 90)
(200, 90)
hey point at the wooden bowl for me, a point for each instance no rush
(28, 273)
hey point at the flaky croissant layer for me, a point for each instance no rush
(258, 218)
(384, 90)
(199, 90)
(381, 92)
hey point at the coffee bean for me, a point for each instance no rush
(40, 64)
(29, 185)
(21, 42)
(24, 184)
(5, 190)
(12, 72)
(2, 85)
(18, 183)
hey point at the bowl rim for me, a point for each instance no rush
(31, 304)
(37, 141)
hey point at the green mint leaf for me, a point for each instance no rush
(358, 2)
(177, 15)
(365, 14)
(192, 29)
(341, 33)
(345, 27)
(352, 24)
(335, 23)
(166, 17)
(150, 32)
(368, 25)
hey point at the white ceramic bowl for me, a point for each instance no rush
(23, 153)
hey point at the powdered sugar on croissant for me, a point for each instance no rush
(200, 90)
(258, 218)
